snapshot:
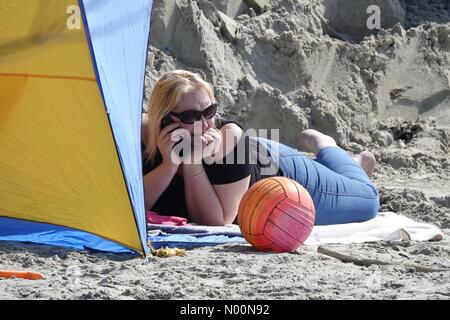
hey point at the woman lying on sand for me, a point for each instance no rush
(199, 186)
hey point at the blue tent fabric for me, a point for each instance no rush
(40, 233)
(118, 32)
(25, 231)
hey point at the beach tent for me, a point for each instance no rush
(71, 93)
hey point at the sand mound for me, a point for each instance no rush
(283, 66)
(348, 19)
(314, 64)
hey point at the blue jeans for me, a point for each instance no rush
(342, 192)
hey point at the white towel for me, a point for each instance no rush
(387, 226)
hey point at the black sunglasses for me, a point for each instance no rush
(190, 116)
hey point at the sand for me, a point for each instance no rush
(296, 65)
(233, 272)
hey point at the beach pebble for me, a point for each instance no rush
(382, 138)
(229, 27)
(258, 5)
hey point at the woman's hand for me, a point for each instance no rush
(213, 140)
(167, 138)
(203, 146)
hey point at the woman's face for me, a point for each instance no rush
(195, 100)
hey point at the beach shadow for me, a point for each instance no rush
(45, 251)
(347, 20)
(428, 11)
(433, 101)
(426, 104)
(242, 249)
(236, 248)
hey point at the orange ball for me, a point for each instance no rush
(276, 214)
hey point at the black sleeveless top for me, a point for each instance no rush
(172, 201)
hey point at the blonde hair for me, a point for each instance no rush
(166, 94)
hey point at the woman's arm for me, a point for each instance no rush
(202, 202)
(214, 204)
(230, 196)
(157, 180)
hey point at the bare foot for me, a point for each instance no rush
(367, 162)
(313, 140)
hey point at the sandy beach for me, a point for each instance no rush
(296, 64)
(233, 272)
